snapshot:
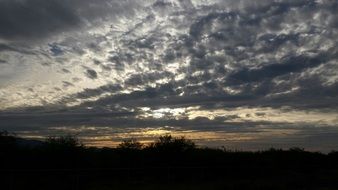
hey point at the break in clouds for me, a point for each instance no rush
(248, 74)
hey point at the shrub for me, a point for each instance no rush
(169, 143)
(7, 140)
(63, 142)
(130, 144)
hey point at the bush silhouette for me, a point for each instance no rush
(130, 144)
(169, 143)
(7, 140)
(63, 142)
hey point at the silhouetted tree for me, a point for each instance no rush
(131, 144)
(296, 149)
(169, 143)
(7, 140)
(63, 142)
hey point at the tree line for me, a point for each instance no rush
(177, 160)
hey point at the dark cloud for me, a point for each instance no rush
(88, 93)
(67, 84)
(288, 65)
(162, 91)
(3, 61)
(37, 120)
(65, 71)
(76, 79)
(90, 73)
(46, 64)
(34, 18)
(118, 61)
(6, 47)
(271, 42)
(162, 4)
(138, 79)
(312, 94)
(164, 96)
(55, 49)
(120, 119)
(30, 89)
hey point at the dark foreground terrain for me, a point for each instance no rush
(168, 163)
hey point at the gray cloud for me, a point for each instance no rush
(88, 93)
(9, 48)
(3, 61)
(34, 18)
(288, 65)
(91, 74)
(65, 71)
(4, 47)
(55, 49)
(243, 49)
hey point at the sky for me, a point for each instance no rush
(239, 74)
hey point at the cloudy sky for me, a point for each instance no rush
(244, 74)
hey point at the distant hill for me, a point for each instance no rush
(28, 143)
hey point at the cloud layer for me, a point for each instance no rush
(158, 59)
